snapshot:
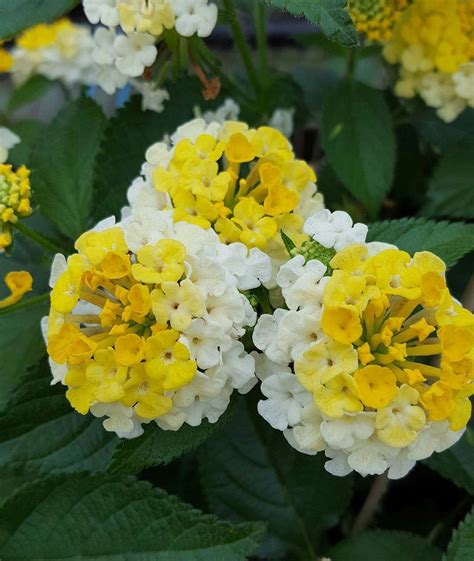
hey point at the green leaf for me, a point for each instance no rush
(457, 463)
(330, 15)
(28, 92)
(20, 14)
(357, 136)
(41, 433)
(129, 135)
(249, 472)
(22, 344)
(461, 546)
(451, 190)
(382, 545)
(29, 133)
(441, 135)
(158, 446)
(63, 163)
(87, 518)
(450, 241)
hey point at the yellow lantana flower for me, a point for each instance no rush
(18, 283)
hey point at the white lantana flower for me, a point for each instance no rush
(8, 139)
(102, 11)
(135, 52)
(286, 398)
(194, 16)
(335, 229)
(283, 120)
(264, 336)
(228, 111)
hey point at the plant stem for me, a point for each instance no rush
(372, 503)
(241, 43)
(25, 304)
(261, 35)
(351, 64)
(37, 237)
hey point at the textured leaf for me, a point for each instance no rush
(63, 163)
(330, 15)
(357, 136)
(158, 446)
(21, 344)
(87, 518)
(28, 92)
(41, 433)
(29, 132)
(249, 472)
(457, 463)
(381, 545)
(461, 546)
(450, 241)
(451, 190)
(129, 135)
(17, 15)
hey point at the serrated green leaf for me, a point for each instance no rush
(357, 136)
(330, 15)
(249, 472)
(20, 14)
(158, 446)
(22, 344)
(381, 545)
(461, 546)
(28, 92)
(448, 240)
(457, 463)
(41, 433)
(87, 518)
(129, 135)
(451, 189)
(63, 161)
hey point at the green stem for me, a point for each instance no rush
(372, 503)
(37, 237)
(351, 63)
(25, 304)
(261, 35)
(242, 45)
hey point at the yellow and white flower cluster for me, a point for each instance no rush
(59, 51)
(433, 43)
(372, 359)
(146, 320)
(15, 201)
(244, 183)
(126, 42)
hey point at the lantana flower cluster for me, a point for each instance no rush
(244, 183)
(59, 51)
(371, 360)
(15, 200)
(433, 44)
(145, 330)
(126, 42)
(375, 19)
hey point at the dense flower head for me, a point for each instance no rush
(143, 330)
(15, 195)
(376, 18)
(375, 354)
(60, 50)
(433, 42)
(244, 183)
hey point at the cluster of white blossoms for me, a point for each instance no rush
(344, 367)
(126, 42)
(59, 51)
(146, 320)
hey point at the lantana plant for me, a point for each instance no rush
(236, 241)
